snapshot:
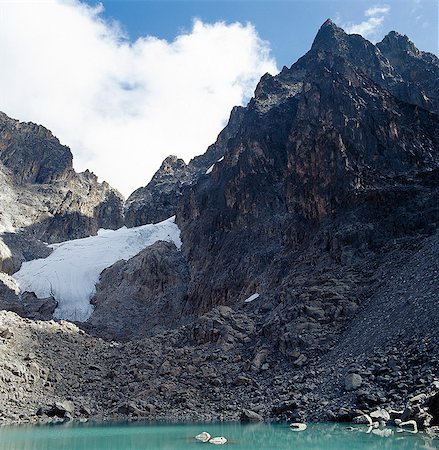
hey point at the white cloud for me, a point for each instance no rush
(375, 16)
(123, 106)
(377, 11)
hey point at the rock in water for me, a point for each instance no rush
(380, 414)
(296, 426)
(203, 436)
(409, 425)
(218, 440)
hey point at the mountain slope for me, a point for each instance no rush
(42, 198)
(321, 146)
(307, 228)
(41, 188)
(69, 274)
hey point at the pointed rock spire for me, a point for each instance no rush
(328, 36)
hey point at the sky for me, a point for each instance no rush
(126, 83)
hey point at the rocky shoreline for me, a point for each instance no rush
(52, 372)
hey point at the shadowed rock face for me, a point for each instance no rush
(42, 194)
(329, 164)
(141, 296)
(419, 70)
(332, 162)
(158, 200)
(25, 305)
(395, 63)
(32, 153)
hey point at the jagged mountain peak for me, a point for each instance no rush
(396, 42)
(32, 153)
(329, 36)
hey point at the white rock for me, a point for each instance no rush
(298, 426)
(409, 424)
(203, 437)
(418, 398)
(218, 440)
(380, 414)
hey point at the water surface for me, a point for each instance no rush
(179, 437)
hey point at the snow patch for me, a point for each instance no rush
(71, 271)
(209, 170)
(251, 298)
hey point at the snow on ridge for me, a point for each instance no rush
(71, 271)
(209, 170)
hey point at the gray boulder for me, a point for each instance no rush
(250, 416)
(352, 381)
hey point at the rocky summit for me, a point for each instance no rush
(306, 287)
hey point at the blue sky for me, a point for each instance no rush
(126, 83)
(289, 26)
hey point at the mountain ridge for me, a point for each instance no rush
(321, 197)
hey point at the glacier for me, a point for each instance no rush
(70, 273)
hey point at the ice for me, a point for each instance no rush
(251, 298)
(71, 271)
(209, 170)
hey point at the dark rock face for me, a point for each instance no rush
(419, 70)
(20, 247)
(32, 153)
(395, 63)
(8, 297)
(141, 296)
(327, 173)
(43, 195)
(158, 200)
(25, 305)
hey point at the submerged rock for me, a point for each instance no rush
(409, 425)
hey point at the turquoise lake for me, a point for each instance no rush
(251, 437)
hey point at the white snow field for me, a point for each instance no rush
(71, 271)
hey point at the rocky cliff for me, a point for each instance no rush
(158, 200)
(321, 176)
(43, 198)
(327, 165)
(320, 197)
